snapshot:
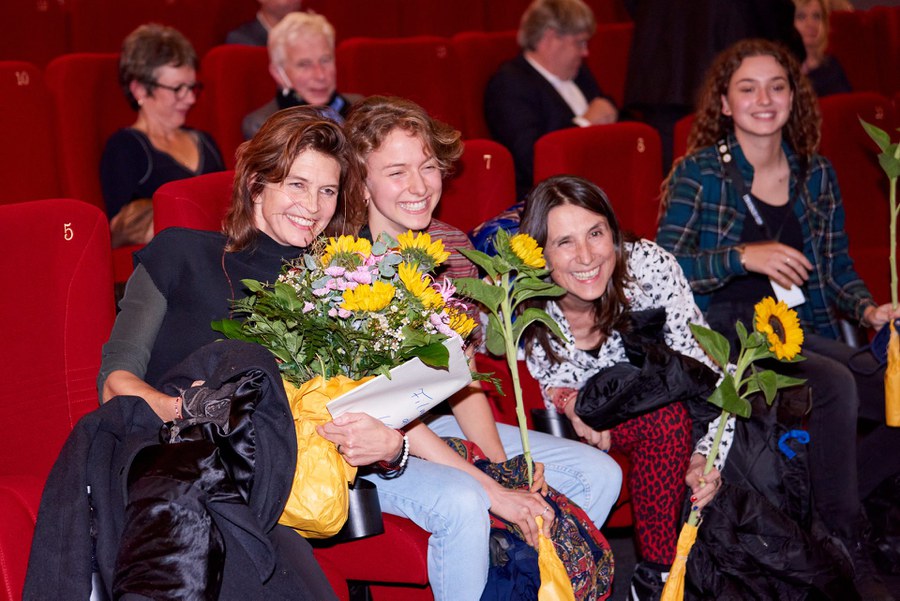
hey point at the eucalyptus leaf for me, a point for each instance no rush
(309, 262)
(713, 343)
(379, 247)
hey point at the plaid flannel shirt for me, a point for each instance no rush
(705, 217)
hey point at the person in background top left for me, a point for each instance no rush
(158, 75)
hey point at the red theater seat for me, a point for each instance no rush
(478, 56)
(855, 159)
(504, 15)
(680, 137)
(33, 31)
(439, 17)
(196, 202)
(851, 40)
(29, 169)
(237, 82)
(622, 158)
(358, 18)
(886, 35)
(421, 68)
(484, 185)
(608, 57)
(60, 315)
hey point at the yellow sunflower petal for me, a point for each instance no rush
(345, 245)
(461, 323)
(420, 248)
(526, 248)
(368, 298)
(780, 326)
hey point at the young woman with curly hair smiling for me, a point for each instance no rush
(751, 210)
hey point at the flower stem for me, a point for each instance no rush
(512, 362)
(694, 518)
(895, 210)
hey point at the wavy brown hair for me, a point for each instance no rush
(561, 190)
(801, 131)
(267, 159)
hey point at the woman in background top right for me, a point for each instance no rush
(823, 70)
(753, 209)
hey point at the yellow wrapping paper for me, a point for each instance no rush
(318, 503)
(892, 380)
(674, 588)
(555, 583)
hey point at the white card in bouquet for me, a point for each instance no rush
(413, 389)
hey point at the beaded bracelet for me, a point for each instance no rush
(394, 468)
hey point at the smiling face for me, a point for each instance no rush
(295, 211)
(759, 98)
(162, 106)
(403, 183)
(308, 68)
(580, 252)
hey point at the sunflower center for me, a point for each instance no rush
(777, 328)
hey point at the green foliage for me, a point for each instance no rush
(713, 343)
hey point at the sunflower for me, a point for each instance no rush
(780, 326)
(346, 247)
(419, 285)
(460, 323)
(419, 248)
(526, 248)
(368, 298)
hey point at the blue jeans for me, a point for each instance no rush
(452, 505)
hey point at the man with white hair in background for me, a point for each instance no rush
(301, 61)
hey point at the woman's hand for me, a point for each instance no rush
(362, 439)
(878, 316)
(784, 264)
(703, 487)
(521, 508)
(565, 398)
(538, 484)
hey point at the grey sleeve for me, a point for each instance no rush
(141, 314)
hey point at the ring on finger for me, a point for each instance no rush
(546, 509)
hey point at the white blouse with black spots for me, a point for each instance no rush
(656, 281)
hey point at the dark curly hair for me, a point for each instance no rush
(801, 131)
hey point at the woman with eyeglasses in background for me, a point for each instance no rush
(158, 74)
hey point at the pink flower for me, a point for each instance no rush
(447, 290)
(362, 276)
(332, 312)
(321, 291)
(344, 313)
(335, 271)
(440, 323)
(308, 306)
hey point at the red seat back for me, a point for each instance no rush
(855, 159)
(503, 401)
(357, 18)
(483, 186)
(439, 17)
(851, 40)
(420, 68)
(886, 35)
(680, 137)
(29, 168)
(57, 320)
(33, 31)
(504, 15)
(608, 57)
(196, 202)
(89, 108)
(237, 83)
(478, 56)
(624, 159)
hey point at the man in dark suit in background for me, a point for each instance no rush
(548, 86)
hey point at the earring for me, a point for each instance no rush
(141, 102)
(367, 201)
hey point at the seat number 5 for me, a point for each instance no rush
(68, 233)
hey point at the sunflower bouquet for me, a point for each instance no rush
(354, 308)
(776, 335)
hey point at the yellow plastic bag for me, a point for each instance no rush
(892, 380)
(318, 503)
(555, 583)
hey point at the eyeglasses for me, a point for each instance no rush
(181, 90)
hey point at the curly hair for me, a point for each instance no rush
(267, 159)
(801, 131)
(571, 190)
